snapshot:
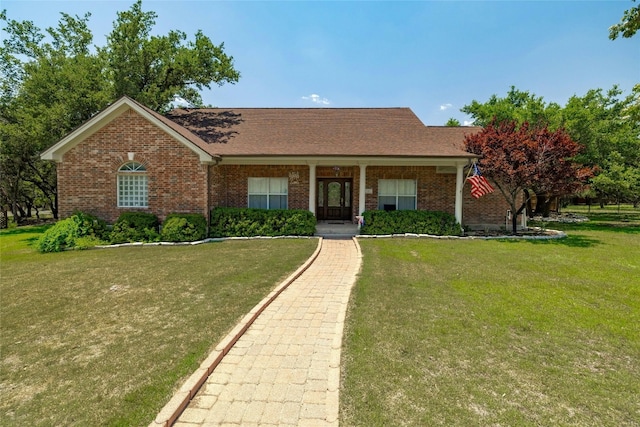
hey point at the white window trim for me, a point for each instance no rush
(136, 173)
(397, 196)
(268, 192)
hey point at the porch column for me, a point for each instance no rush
(363, 186)
(459, 185)
(312, 188)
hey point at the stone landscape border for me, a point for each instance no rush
(551, 234)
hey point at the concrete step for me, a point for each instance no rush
(336, 229)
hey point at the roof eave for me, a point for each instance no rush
(348, 160)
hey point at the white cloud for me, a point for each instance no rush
(317, 99)
(445, 107)
(467, 123)
(180, 102)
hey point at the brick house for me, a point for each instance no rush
(335, 162)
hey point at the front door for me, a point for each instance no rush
(334, 199)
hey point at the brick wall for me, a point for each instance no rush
(487, 211)
(436, 192)
(228, 184)
(87, 175)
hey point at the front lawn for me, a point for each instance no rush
(500, 332)
(104, 337)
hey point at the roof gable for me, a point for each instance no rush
(122, 105)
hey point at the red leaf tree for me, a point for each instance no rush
(519, 159)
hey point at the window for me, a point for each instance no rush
(132, 186)
(397, 194)
(268, 193)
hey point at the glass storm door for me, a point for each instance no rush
(334, 199)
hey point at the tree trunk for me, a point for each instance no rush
(543, 204)
(54, 205)
(514, 224)
(546, 208)
(527, 197)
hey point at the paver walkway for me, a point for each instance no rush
(285, 369)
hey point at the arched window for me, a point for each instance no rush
(132, 186)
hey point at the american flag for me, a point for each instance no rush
(479, 184)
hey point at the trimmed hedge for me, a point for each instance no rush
(79, 231)
(248, 222)
(417, 222)
(135, 227)
(184, 228)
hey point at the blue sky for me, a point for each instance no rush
(431, 56)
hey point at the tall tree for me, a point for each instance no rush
(517, 157)
(56, 79)
(607, 124)
(517, 105)
(152, 69)
(628, 25)
(52, 87)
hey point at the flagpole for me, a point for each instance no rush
(468, 172)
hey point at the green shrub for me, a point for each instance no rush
(417, 222)
(184, 228)
(80, 231)
(247, 222)
(135, 227)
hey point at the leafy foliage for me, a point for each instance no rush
(241, 222)
(520, 158)
(628, 25)
(519, 106)
(418, 222)
(607, 125)
(135, 227)
(53, 85)
(152, 69)
(80, 231)
(184, 228)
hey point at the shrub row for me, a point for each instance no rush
(135, 227)
(417, 222)
(81, 230)
(242, 222)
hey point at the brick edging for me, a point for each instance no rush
(169, 414)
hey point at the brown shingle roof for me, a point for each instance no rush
(319, 132)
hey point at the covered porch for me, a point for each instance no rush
(341, 188)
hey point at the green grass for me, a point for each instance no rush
(104, 337)
(627, 220)
(500, 332)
